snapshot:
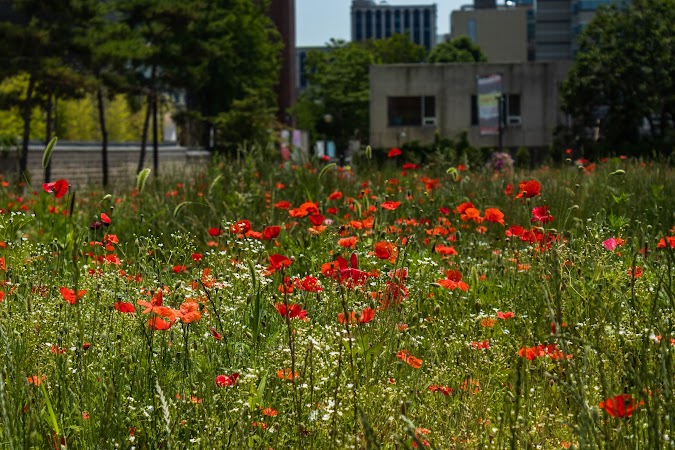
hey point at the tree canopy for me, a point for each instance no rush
(459, 49)
(622, 81)
(222, 56)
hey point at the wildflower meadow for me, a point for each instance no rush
(265, 306)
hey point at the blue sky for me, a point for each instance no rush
(319, 20)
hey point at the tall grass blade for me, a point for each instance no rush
(46, 156)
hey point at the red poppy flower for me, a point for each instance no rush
(282, 205)
(215, 231)
(351, 317)
(227, 380)
(385, 250)
(367, 315)
(355, 275)
(271, 232)
(217, 336)
(316, 219)
(308, 284)
(179, 268)
(240, 227)
(337, 195)
(105, 219)
(445, 250)
(125, 307)
(58, 188)
(196, 257)
(540, 214)
(622, 405)
(278, 262)
(390, 205)
(270, 412)
(505, 315)
(294, 311)
(157, 323)
(481, 345)
(445, 390)
(69, 295)
(394, 152)
(529, 189)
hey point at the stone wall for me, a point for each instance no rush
(81, 163)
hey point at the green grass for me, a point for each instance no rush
(86, 375)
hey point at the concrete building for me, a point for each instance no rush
(372, 20)
(411, 102)
(502, 33)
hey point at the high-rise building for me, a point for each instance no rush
(372, 20)
(558, 24)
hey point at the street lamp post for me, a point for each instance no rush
(500, 112)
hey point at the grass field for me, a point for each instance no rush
(258, 306)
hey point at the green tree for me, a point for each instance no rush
(460, 49)
(36, 39)
(397, 49)
(623, 75)
(336, 102)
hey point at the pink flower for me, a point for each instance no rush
(610, 244)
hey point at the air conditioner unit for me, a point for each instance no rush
(429, 121)
(514, 120)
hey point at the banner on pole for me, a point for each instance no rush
(489, 90)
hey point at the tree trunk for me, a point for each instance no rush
(144, 138)
(48, 134)
(155, 148)
(27, 110)
(104, 135)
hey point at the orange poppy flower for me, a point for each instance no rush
(348, 242)
(69, 295)
(494, 215)
(287, 374)
(189, 312)
(390, 205)
(406, 357)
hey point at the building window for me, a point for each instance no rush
(411, 111)
(378, 24)
(359, 25)
(369, 24)
(471, 29)
(474, 110)
(397, 21)
(417, 28)
(513, 105)
(387, 23)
